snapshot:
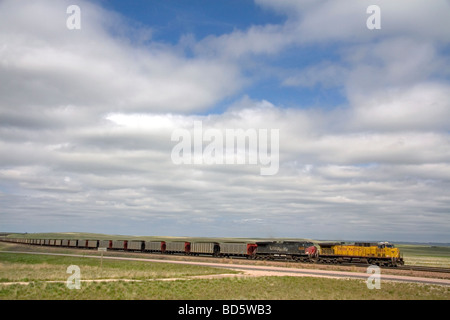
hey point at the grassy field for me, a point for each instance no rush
(262, 288)
(31, 277)
(24, 267)
(426, 255)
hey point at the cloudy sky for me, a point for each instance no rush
(87, 117)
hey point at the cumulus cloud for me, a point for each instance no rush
(90, 68)
(86, 119)
(341, 20)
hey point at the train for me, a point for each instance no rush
(379, 253)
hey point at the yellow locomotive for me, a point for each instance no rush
(381, 253)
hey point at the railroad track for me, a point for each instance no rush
(262, 269)
(407, 267)
(423, 268)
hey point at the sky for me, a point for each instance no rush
(94, 103)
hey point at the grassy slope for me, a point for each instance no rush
(37, 270)
(270, 288)
(24, 267)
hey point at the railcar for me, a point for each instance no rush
(92, 244)
(136, 245)
(155, 246)
(73, 243)
(119, 245)
(82, 243)
(231, 249)
(178, 247)
(105, 244)
(205, 248)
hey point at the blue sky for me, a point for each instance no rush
(170, 21)
(87, 118)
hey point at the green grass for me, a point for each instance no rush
(37, 270)
(426, 255)
(425, 250)
(266, 288)
(26, 267)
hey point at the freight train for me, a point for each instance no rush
(381, 253)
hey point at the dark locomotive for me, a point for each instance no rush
(291, 250)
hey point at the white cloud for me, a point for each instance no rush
(57, 66)
(86, 120)
(326, 74)
(345, 20)
(419, 107)
(268, 39)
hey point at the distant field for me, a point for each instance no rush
(146, 280)
(425, 255)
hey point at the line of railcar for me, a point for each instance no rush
(382, 253)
